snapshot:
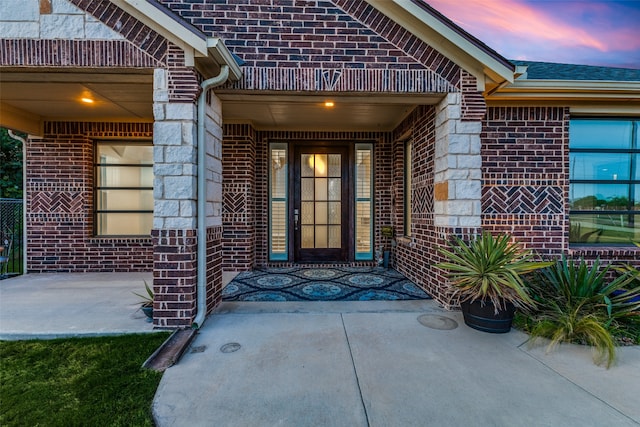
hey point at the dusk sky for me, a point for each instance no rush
(591, 32)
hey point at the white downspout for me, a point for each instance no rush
(201, 290)
(24, 198)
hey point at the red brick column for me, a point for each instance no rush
(174, 277)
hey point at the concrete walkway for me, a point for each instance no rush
(75, 304)
(377, 364)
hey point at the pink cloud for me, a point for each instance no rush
(514, 18)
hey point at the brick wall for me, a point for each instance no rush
(525, 171)
(174, 277)
(415, 255)
(525, 156)
(130, 28)
(320, 45)
(59, 172)
(239, 208)
(214, 267)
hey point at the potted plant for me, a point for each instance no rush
(486, 277)
(146, 304)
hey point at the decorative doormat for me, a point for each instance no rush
(322, 284)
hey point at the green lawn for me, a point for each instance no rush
(78, 381)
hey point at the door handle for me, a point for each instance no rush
(296, 215)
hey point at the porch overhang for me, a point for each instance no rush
(307, 111)
(584, 97)
(33, 95)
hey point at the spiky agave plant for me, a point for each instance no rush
(490, 268)
(577, 302)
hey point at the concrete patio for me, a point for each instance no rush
(345, 363)
(375, 363)
(72, 304)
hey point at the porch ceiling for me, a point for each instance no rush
(358, 112)
(27, 99)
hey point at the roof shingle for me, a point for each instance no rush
(554, 71)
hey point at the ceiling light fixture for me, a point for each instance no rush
(87, 100)
(329, 104)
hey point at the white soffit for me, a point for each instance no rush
(448, 42)
(569, 90)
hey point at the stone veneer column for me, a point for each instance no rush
(213, 135)
(458, 167)
(175, 193)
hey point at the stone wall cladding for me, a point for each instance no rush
(525, 175)
(174, 277)
(59, 192)
(49, 20)
(457, 166)
(239, 208)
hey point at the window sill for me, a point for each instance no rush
(578, 249)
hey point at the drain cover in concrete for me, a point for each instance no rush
(434, 321)
(230, 347)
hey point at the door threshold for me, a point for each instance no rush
(322, 264)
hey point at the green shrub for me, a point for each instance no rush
(581, 304)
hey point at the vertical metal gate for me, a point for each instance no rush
(11, 237)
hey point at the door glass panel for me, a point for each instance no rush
(321, 188)
(307, 237)
(306, 165)
(363, 220)
(278, 227)
(278, 223)
(321, 213)
(334, 212)
(335, 236)
(320, 165)
(335, 188)
(307, 213)
(321, 196)
(334, 165)
(307, 189)
(321, 236)
(363, 201)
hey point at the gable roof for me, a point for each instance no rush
(489, 67)
(206, 53)
(553, 71)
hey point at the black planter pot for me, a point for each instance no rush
(148, 311)
(482, 316)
